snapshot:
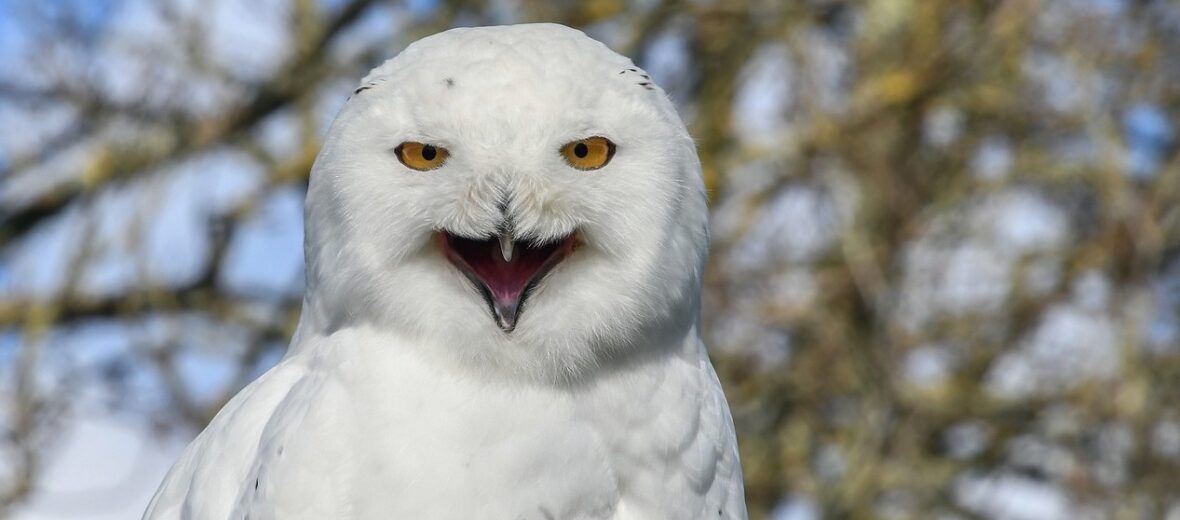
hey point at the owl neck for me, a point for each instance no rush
(525, 363)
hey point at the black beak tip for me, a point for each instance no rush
(506, 314)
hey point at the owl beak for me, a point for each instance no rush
(504, 270)
(507, 244)
(505, 313)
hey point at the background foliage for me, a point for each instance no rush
(945, 275)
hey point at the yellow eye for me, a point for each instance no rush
(590, 153)
(420, 156)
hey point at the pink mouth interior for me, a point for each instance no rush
(505, 281)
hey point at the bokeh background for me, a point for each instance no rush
(945, 271)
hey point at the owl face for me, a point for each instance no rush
(513, 198)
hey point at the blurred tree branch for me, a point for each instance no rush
(871, 165)
(191, 136)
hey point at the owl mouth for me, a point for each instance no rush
(503, 269)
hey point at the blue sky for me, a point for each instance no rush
(266, 256)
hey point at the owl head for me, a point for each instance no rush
(518, 199)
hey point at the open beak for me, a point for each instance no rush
(504, 269)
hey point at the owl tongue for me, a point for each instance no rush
(504, 269)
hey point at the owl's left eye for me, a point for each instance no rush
(420, 156)
(590, 153)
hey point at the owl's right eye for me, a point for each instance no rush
(420, 156)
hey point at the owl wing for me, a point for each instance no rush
(230, 470)
(725, 495)
(673, 444)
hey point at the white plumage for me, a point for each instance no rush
(432, 377)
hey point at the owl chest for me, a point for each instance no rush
(459, 451)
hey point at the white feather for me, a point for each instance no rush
(400, 397)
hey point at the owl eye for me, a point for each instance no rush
(419, 156)
(590, 153)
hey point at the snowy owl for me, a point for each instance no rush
(506, 228)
